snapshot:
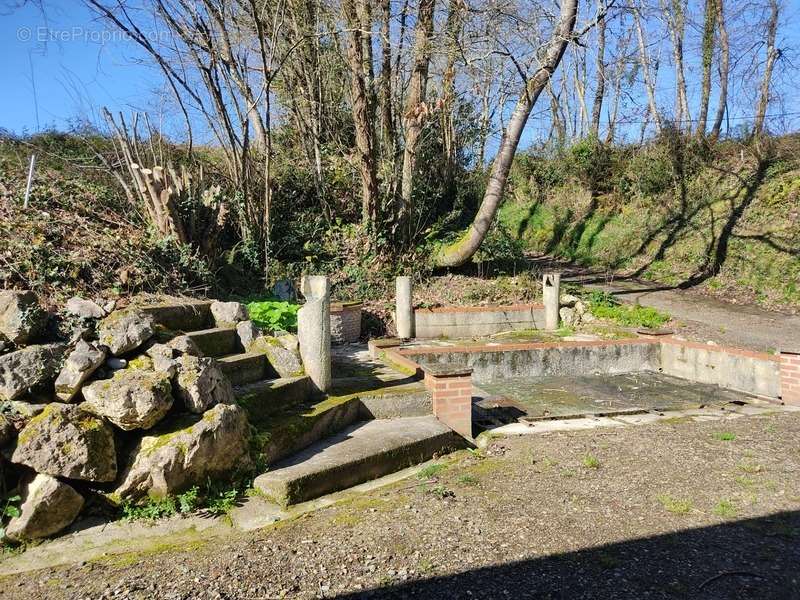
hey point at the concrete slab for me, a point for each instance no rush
(361, 452)
(563, 396)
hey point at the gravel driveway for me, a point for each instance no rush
(676, 510)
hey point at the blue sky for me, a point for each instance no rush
(60, 68)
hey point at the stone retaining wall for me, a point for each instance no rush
(471, 321)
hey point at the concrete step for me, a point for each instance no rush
(264, 399)
(217, 341)
(245, 368)
(181, 314)
(361, 452)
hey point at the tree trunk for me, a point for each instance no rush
(461, 251)
(676, 22)
(453, 30)
(362, 113)
(724, 67)
(600, 68)
(707, 48)
(415, 110)
(385, 90)
(772, 56)
(644, 61)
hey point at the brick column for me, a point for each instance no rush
(451, 390)
(790, 377)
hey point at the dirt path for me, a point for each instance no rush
(698, 316)
(705, 510)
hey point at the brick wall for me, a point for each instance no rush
(345, 323)
(790, 377)
(451, 394)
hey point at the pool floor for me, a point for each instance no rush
(566, 396)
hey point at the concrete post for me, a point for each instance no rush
(314, 330)
(404, 308)
(551, 294)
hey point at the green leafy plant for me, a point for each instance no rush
(724, 436)
(189, 500)
(274, 314)
(222, 502)
(10, 510)
(605, 306)
(151, 510)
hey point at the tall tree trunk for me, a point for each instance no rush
(385, 90)
(600, 68)
(676, 22)
(461, 251)
(362, 112)
(724, 67)
(707, 49)
(772, 56)
(415, 110)
(644, 61)
(453, 31)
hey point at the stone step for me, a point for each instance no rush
(263, 399)
(217, 341)
(364, 451)
(181, 315)
(245, 368)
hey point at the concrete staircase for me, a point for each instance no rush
(374, 422)
(361, 452)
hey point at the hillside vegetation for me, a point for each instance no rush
(726, 220)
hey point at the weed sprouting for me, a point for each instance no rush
(725, 509)
(674, 505)
(431, 471)
(590, 462)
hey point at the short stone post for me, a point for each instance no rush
(790, 376)
(450, 387)
(314, 330)
(404, 308)
(551, 295)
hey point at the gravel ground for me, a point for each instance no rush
(677, 510)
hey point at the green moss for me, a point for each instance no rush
(142, 362)
(158, 440)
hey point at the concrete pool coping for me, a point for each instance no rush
(758, 374)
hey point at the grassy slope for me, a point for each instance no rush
(660, 237)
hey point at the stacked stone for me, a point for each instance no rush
(64, 404)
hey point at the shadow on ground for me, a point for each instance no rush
(747, 559)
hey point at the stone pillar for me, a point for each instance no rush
(451, 393)
(404, 308)
(314, 330)
(551, 294)
(790, 377)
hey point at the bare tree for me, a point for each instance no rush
(724, 66)
(600, 68)
(772, 55)
(707, 52)
(416, 109)
(461, 251)
(362, 107)
(644, 61)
